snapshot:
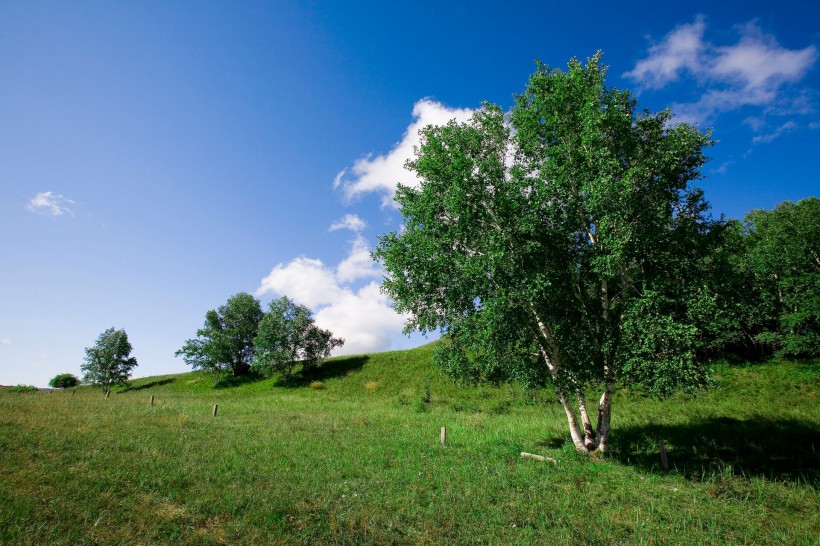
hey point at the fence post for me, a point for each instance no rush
(443, 437)
(216, 407)
(152, 400)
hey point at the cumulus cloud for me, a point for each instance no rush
(359, 263)
(50, 204)
(381, 173)
(363, 316)
(751, 72)
(348, 221)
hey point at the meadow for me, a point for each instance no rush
(352, 455)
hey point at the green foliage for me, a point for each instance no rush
(108, 362)
(538, 240)
(64, 381)
(783, 259)
(288, 335)
(225, 344)
(22, 388)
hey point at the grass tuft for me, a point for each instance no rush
(371, 386)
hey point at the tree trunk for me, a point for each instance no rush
(604, 418)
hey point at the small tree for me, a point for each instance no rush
(225, 343)
(288, 335)
(108, 363)
(64, 381)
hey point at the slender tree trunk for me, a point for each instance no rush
(589, 432)
(604, 418)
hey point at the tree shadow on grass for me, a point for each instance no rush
(230, 381)
(338, 367)
(149, 385)
(778, 449)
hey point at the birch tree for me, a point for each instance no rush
(554, 244)
(109, 361)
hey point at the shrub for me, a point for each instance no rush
(64, 381)
(23, 388)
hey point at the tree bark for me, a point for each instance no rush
(604, 417)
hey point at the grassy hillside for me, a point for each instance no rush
(358, 461)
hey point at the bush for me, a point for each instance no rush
(64, 381)
(23, 388)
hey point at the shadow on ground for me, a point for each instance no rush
(149, 385)
(338, 367)
(779, 449)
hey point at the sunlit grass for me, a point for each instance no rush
(348, 464)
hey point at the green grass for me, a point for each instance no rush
(359, 462)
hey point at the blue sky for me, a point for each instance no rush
(158, 157)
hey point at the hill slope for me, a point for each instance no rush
(359, 461)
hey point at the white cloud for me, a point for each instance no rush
(363, 316)
(5, 341)
(305, 280)
(349, 221)
(751, 72)
(50, 204)
(681, 49)
(359, 263)
(765, 139)
(382, 173)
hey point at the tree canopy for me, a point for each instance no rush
(556, 243)
(225, 343)
(782, 257)
(64, 381)
(108, 362)
(288, 335)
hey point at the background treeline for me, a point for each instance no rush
(764, 274)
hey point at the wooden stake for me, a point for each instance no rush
(664, 459)
(107, 393)
(152, 400)
(216, 407)
(443, 437)
(538, 457)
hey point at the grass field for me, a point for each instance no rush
(351, 455)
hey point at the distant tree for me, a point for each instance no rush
(556, 244)
(108, 362)
(64, 381)
(288, 336)
(225, 344)
(782, 258)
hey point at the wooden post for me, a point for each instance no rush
(664, 459)
(443, 437)
(216, 407)
(152, 400)
(107, 392)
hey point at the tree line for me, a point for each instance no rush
(237, 339)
